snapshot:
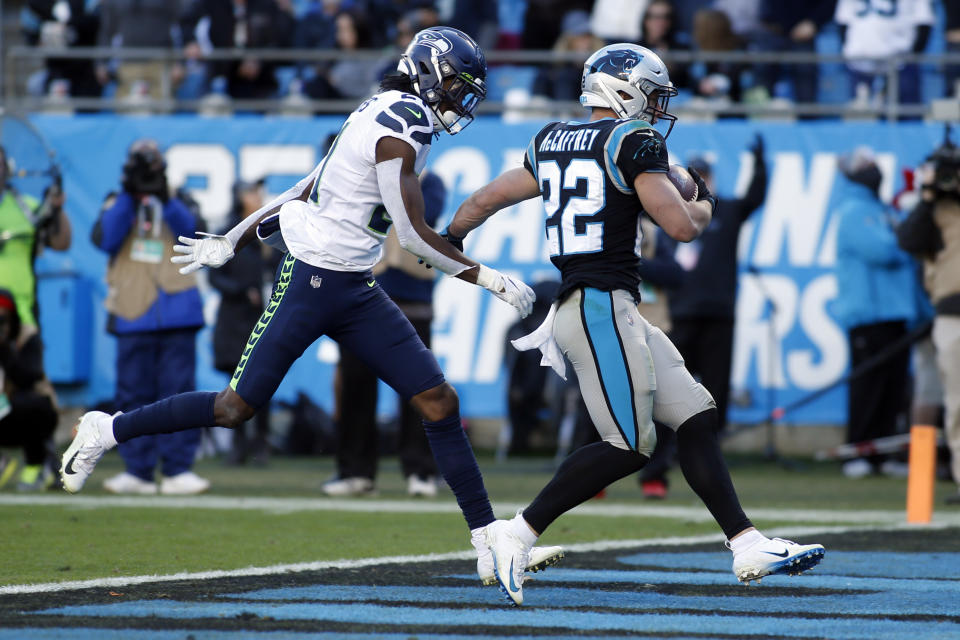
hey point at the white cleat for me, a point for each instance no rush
(85, 451)
(774, 557)
(539, 558)
(510, 559)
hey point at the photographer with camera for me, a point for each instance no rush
(932, 231)
(155, 312)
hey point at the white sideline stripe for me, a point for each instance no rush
(293, 505)
(602, 545)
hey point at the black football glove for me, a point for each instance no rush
(702, 192)
(456, 241)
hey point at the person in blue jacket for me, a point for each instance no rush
(155, 312)
(876, 304)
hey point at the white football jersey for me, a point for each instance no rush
(343, 224)
(880, 28)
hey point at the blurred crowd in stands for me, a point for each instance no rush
(192, 29)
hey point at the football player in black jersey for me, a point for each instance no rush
(597, 179)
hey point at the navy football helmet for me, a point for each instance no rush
(634, 71)
(448, 71)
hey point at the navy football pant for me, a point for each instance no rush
(349, 307)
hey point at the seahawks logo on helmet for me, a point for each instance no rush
(617, 63)
(436, 41)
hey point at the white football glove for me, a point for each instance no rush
(210, 250)
(510, 290)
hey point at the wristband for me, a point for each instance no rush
(489, 279)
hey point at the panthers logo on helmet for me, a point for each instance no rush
(617, 63)
(436, 41)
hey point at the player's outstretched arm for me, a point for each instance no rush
(211, 250)
(403, 199)
(506, 190)
(680, 219)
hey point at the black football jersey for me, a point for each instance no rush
(586, 173)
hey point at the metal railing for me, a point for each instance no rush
(20, 61)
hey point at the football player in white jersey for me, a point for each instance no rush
(332, 225)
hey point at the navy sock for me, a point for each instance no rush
(459, 469)
(176, 413)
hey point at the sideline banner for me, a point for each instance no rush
(787, 340)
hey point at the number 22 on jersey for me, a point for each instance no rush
(563, 217)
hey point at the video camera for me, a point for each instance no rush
(945, 161)
(144, 171)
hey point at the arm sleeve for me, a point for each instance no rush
(234, 234)
(388, 178)
(116, 220)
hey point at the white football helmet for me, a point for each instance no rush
(632, 70)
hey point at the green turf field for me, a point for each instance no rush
(56, 537)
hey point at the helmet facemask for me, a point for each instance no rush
(458, 97)
(656, 101)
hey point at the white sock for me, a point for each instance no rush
(523, 531)
(107, 438)
(746, 540)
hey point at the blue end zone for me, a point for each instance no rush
(852, 596)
